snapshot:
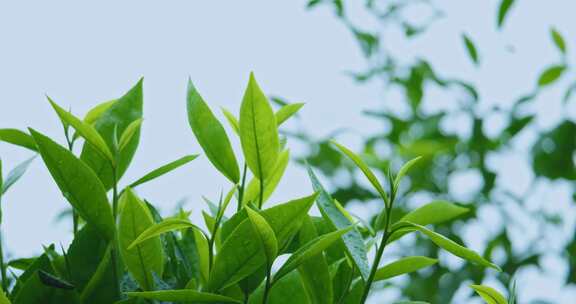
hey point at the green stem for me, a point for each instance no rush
(261, 194)
(378, 257)
(74, 214)
(4, 277)
(267, 287)
(114, 251)
(242, 187)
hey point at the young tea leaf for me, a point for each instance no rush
(364, 168)
(85, 130)
(449, 245)
(78, 183)
(211, 135)
(402, 172)
(163, 170)
(182, 295)
(111, 122)
(253, 189)
(165, 226)
(403, 266)
(433, 213)
(232, 120)
(258, 131)
(146, 258)
(18, 138)
(265, 235)
(489, 294)
(309, 250)
(287, 111)
(129, 133)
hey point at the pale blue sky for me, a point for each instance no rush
(82, 54)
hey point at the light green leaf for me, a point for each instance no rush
(145, 258)
(287, 111)
(489, 294)
(471, 49)
(18, 138)
(309, 250)
(558, 40)
(163, 170)
(258, 132)
(182, 295)
(211, 135)
(88, 132)
(433, 213)
(503, 9)
(403, 266)
(78, 183)
(253, 189)
(448, 245)
(405, 168)
(3, 298)
(157, 229)
(353, 240)
(112, 122)
(241, 254)
(95, 113)
(232, 120)
(15, 174)
(550, 75)
(265, 235)
(129, 133)
(364, 168)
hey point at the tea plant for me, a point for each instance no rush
(124, 251)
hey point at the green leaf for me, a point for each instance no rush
(471, 49)
(145, 258)
(232, 120)
(448, 245)
(433, 213)
(15, 174)
(165, 226)
(287, 111)
(258, 132)
(403, 266)
(88, 132)
(253, 189)
(402, 172)
(101, 287)
(558, 40)
(309, 250)
(364, 168)
(3, 298)
(112, 122)
(182, 295)
(211, 135)
(78, 183)
(163, 170)
(96, 112)
(129, 133)
(550, 75)
(19, 138)
(489, 294)
(503, 9)
(241, 254)
(353, 239)
(265, 235)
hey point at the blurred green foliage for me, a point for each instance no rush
(447, 153)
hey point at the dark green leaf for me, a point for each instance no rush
(550, 75)
(503, 10)
(471, 49)
(183, 295)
